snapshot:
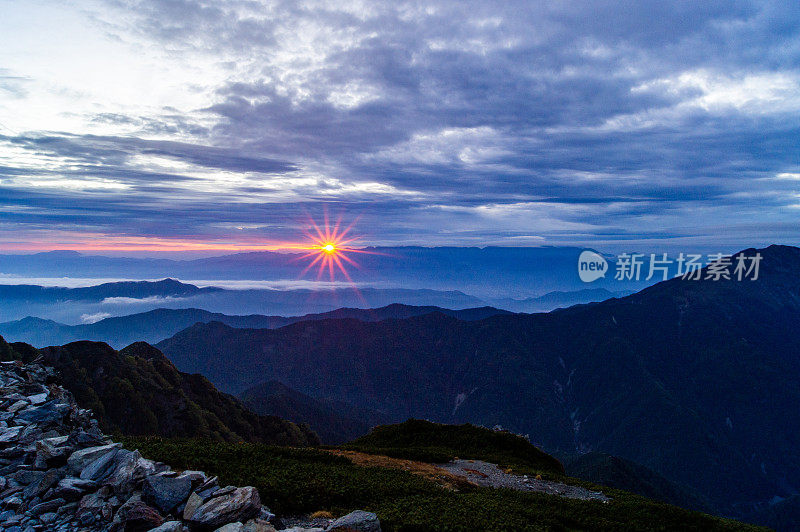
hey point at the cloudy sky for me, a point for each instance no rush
(187, 124)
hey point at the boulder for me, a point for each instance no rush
(231, 527)
(40, 487)
(9, 434)
(48, 412)
(72, 488)
(78, 460)
(240, 504)
(194, 502)
(38, 399)
(101, 467)
(46, 507)
(127, 472)
(165, 493)
(169, 526)
(140, 517)
(358, 521)
(52, 451)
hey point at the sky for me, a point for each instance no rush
(132, 125)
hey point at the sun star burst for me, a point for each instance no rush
(329, 248)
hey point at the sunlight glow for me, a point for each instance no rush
(329, 249)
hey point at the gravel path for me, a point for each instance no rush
(489, 475)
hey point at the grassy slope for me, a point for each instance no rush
(296, 481)
(434, 442)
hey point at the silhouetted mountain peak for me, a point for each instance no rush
(145, 351)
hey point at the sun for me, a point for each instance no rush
(328, 248)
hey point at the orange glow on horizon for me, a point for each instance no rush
(64, 240)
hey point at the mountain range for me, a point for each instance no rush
(689, 378)
(159, 324)
(490, 272)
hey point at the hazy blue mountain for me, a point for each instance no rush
(159, 324)
(558, 299)
(485, 272)
(696, 380)
(90, 304)
(127, 289)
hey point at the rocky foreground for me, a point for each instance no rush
(58, 471)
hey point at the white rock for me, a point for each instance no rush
(38, 399)
(80, 459)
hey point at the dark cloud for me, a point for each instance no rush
(460, 120)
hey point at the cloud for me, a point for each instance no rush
(448, 122)
(94, 318)
(139, 300)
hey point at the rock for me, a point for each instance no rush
(38, 399)
(82, 439)
(72, 488)
(16, 407)
(197, 478)
(27, 476)
(169, 526)
(52, 451)
(59, 472)
(359, 521)
(101, 467)
(141, 517)
(9, 434)
(239, 505)
(223, 491)
(45, 507)
(48, 518)
(80, 459)
(258, 525)
(39, 488)
(92, 503)
(44, 414)
(165, 493)
(231, 527)
(194, 502)
(13, 502)
(127, 471)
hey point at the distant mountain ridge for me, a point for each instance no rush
(132, 289)
(559, 299)
(159, 324)
(668, 377)
(92, 303)
(485, 272)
